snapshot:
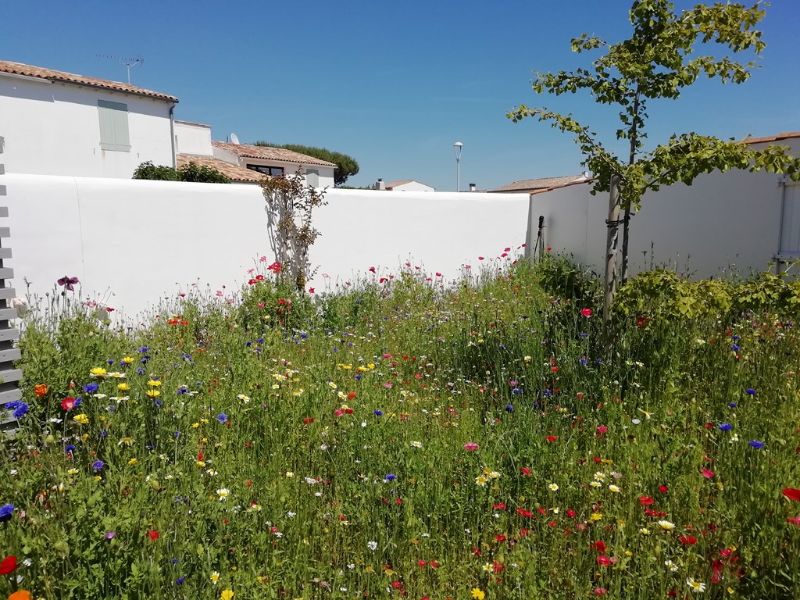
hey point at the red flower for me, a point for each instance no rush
(351, 396)
(500, 538)
(794, 520)
(646, 500)
(308, 420)
(707, 473)
(587, 312)
(40, 389)
(499, 506)
(8, 565)
(552, 438)
(663, 489)
(434, 564)
(792, 494)
(687, 540)
(68, 403)
(153, 535)
(605, 561)
(526, 471)
(602, 430)
(600, 546)
(275, 267)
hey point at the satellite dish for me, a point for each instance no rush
(234, 139)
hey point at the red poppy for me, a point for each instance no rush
(499, 506)
(552, 438)
(600, 546)
(526, 471)
(351, 395)
(500, 538)
(687, 540)
(792, 494)
(68, 403)
(587, 312)
(663, 489)
(605, 561)
(794, 520)
(153, 535)
(602, 430)
(646, 500)
(8, 565)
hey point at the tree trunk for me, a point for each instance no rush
(626, 222)
(633, 139)
(612, 240)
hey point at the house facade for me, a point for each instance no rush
(271, 161)
(408, 185)
(58, 123)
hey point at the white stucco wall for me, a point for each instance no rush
(133, 242)
(193, 138)
(722, 221)
(412, 186)
(54, 128)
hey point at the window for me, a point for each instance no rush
(274, 171)
(113, 126)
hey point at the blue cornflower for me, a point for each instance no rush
(725, 426)
(735, 347)
(547, 393)
(517, 391)
(732, 405)
(6, 511)
(180, 580)
(103, 434)
(757, 444)
(186, 356)
(222, 418)
(78, 401)
(69, 449)
(20, 408)
(358, 377)
(509, 408)
(177, 434)
(144, 350)
(583, 335)
(377, 412)
(182, 390)
(390, 477)
(140, 371)
(248, 343)
(91, 388)
(109, 361)
(583, 361)
(98, 466)
(158, 403)
(260, 340)
(750, 392)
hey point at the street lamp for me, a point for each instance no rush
(457, 147)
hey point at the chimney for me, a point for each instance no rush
(473, 187)
(380, 185)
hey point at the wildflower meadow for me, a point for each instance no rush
(402, 438)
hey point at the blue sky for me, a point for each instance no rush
(392, 84)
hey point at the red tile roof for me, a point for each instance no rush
(270, 153)
(786, 135)
(234, 172)
(15, 68)
(542, 184)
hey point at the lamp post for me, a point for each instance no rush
(457, 147)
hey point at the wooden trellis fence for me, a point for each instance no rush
(9, 376)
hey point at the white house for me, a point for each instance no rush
(735, 221)
(268, 160)
(408, 185)
(58, 123)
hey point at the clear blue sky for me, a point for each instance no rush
(392, 84)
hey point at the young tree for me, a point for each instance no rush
(664, 54)
(290, 204)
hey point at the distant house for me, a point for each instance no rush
(408, 185)
(537, 186)
(276, 161)
(58, 123)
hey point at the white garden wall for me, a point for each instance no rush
(132, 242)
(723, 222)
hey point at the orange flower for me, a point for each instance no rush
(21, 595)
(40, 389)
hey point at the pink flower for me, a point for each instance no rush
(586, 312)
(471, 446)
(602, 430)
(794, 520)
(707, 473)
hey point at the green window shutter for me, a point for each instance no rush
(113, 126)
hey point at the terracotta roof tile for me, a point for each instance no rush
(234, 172)
(16, 68)
(786, 135)
(271, 153)
(540, 185)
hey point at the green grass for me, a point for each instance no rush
(324, 498)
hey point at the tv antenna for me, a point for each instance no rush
(129, 62)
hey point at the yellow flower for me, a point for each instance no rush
(226, 595)
(478, 594)
(123, 387)
(133, 461)
(127, 360)
(481, 480)
(614, 488)
(154, 383)
(98, 372)
(595, 516)
(81, 419)
(153, 393)
(125, 440)
(72, 471)
(214, 577)
(553, 487)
